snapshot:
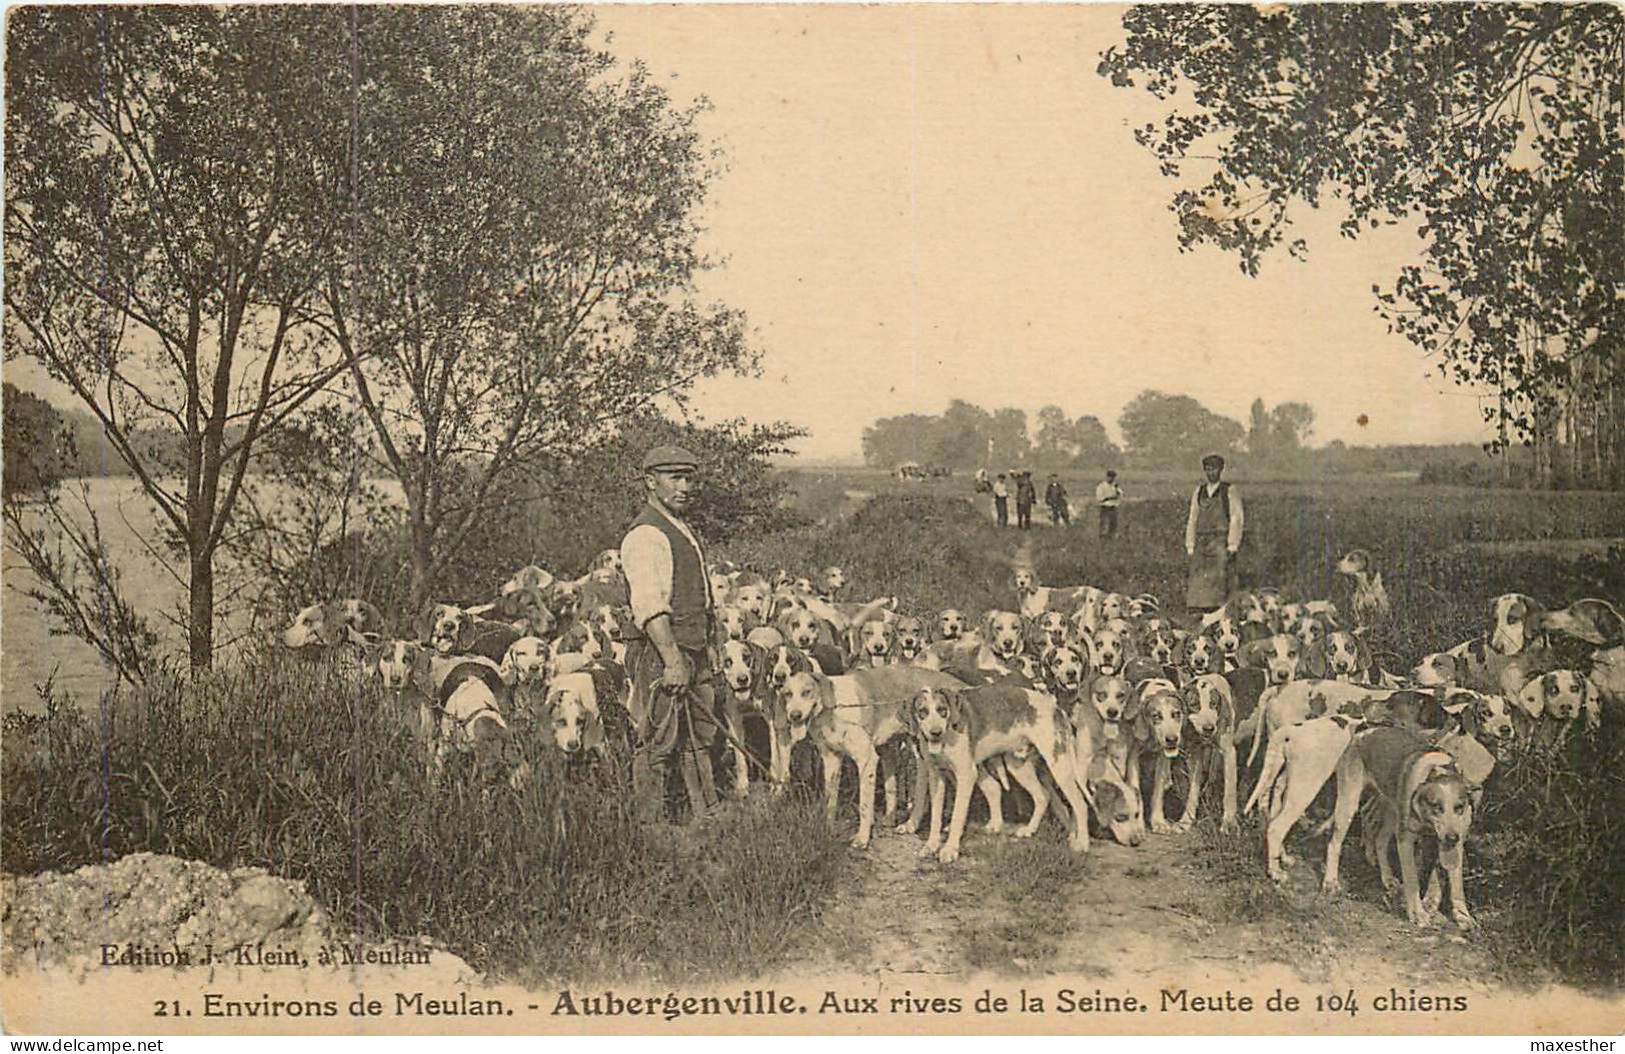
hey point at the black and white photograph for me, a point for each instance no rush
(818, 519)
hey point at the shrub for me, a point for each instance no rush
(300, 768)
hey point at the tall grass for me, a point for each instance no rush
(314, 773)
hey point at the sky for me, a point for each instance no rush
(923, 203)
(930, 202)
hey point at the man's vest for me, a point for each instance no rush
(1213, 511)
(690, 621)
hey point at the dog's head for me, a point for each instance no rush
(1166, 646)
(754, 598)
(319, 625)
(951, 624)
(800, 627)
(1355, 562)
(611, 621)
(1210, 705)
(1437, 670)
(1226, 634)
(1113, 605)
(1024, 581)
(1561, 695)
(442, 627)
(1143, 606)
(1113, 700)
(525, 608)
(1347, 657)
(397, 661)
(572, 714)
(1117, 805)
(1278, 656)
(1002, 631)
(1050, 630)
(1443, 804)
(1595, 622)
(1110, 651)
(1515, 620)
(1203, 654)
(805, 694)
(528, 577)
(1160, 720)
(833, 580)
(935, 715)
(1064, 668)
(744, 667)
(1487, 718)
(1269, 602)
(872, 640)
(1310, 629)
(580, 638)
(734, 623)
(525, 661)
(607, 562)
(911, 637)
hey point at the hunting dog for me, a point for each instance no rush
(958, 729)
(334, 623)
(1370, 604)
(449, 630)
(852, 716)
(1420, 794)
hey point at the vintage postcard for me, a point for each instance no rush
(833, 519)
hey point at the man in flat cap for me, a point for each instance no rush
(1212, 539)
(668, 649)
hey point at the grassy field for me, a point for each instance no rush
(306, 771)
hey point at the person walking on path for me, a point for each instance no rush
(1108, 495)
(1055, 498)
(668, 659)
(1026, 498)
(1212, 539)
(1001, 501)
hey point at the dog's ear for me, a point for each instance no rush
(987, 625)
(423, 625)
(1251, 654)
(1313, 662)
(508, 669)
(1590, 705)
(958, 712)
(826, 692)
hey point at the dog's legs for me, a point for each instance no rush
(832, 782)
(991, 789)
(964, 777)
(1159, 786)
(934, 842)
(917, 803)
(735, 719)
(1300, 787)
(1070, 776)
(779, 752)
(1227, 821)
(1274, 758)
(1026, 774)
(888, 769)
(868, 760)
(1198, 772)
(1458, 899)
(1350, 786)
(1407, 870)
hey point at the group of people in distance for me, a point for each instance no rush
(1108, 495)
(1213, 528)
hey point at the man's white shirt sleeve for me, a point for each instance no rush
(646, 559)
(1190, 523)
(1234, 539)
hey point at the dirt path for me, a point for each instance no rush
(1142, 918)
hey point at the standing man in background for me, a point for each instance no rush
(1026, 498)
(1212, 539)
(1001, 501)
(668, 658)
(1108, 495)
(1055, 498)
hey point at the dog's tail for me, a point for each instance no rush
(1274, 761)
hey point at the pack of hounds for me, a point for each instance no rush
(1068, 691)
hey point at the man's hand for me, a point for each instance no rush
(677, 672)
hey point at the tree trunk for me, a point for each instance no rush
(200, 623)
(422, 555)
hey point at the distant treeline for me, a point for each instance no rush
(1160, 430)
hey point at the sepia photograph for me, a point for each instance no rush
(813, 519)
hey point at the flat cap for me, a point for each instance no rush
(669, 457)
(1213, 459)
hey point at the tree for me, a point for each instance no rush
(521, 270)
(1175, 429)
(1094, 447)
(38, 444)
(1291, 425)
(1007, 435)
(1498, 129)
(892, 441)
(174, 192)
(1054, 446)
